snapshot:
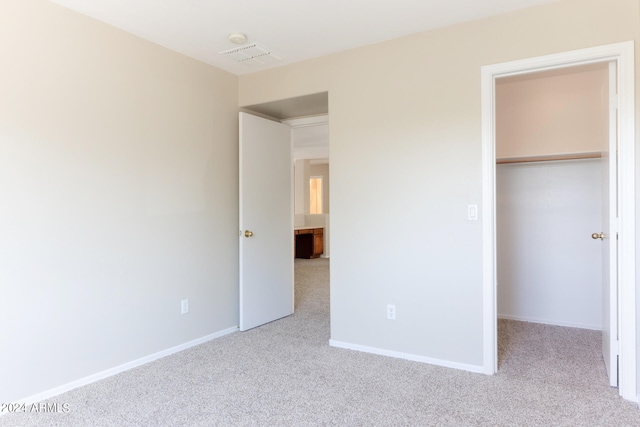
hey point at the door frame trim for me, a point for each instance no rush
(623, 55)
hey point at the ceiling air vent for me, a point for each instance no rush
(252, 54)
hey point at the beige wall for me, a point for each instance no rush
(553, 113)
(406, 129)
(300, 169)
(118, 190)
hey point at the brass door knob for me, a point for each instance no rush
(596, 236)
(248, 233)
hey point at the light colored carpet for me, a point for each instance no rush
(285, 374)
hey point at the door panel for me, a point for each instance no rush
(266, 221)
(609, 239)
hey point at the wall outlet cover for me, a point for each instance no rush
(391, 312)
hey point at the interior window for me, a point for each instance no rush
(315, 195)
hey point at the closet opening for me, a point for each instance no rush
(552, 134)
(559, 188)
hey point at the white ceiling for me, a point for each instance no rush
(292, 29)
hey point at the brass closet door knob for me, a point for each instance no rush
(596, 236)
(248, 233)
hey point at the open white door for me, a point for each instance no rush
(609, 237)
(266, 221)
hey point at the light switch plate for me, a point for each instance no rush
(472, 212)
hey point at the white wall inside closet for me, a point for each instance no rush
(549, 268)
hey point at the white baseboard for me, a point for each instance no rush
(407, 356)
(549, 322)
(124, 367)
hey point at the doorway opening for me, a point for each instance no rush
(308, 118)
(622, 55)
(552, 128)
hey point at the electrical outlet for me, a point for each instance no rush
(391, 312)
(184, 306)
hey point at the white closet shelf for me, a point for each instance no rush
(554, 157)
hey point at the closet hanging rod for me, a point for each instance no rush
(529, 159)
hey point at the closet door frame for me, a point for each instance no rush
(623, 55)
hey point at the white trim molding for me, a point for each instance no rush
(301, 122)
(406, 356)
(124, 367)
(549, 322)
(623, 55)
